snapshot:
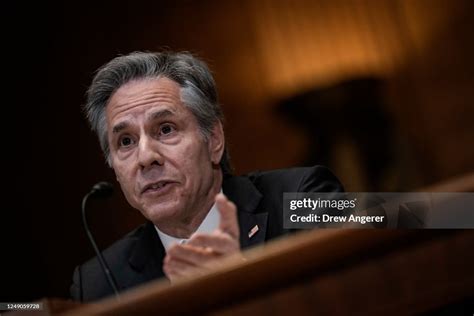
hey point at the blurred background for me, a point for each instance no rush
(380, 91)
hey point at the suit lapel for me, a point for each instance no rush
(252, 221)
(147, 254)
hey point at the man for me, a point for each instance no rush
(160, 127)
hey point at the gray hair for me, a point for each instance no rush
(198, 90)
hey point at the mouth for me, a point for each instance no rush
(159, 187)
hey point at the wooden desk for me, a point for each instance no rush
(325, 272)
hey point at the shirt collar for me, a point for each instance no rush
(208, 225)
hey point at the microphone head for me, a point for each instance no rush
(102, 189)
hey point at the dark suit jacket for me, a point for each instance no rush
(137, 258)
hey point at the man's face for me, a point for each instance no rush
(165, 167)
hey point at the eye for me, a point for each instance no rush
(125, 141)
(166, 129)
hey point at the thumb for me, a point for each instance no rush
(228, 211)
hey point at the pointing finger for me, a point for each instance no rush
(228, 212)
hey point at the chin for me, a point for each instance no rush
(162, 212)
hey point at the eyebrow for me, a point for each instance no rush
(151, 117)
(119, 127)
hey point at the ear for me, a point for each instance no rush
(216, 143)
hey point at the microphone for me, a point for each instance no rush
(102, 189)
(99, 190)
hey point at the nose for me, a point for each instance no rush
(148, 153)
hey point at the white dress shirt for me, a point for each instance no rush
(208, 225)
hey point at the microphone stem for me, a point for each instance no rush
(103, 263)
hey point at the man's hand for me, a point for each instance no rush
(203, 252)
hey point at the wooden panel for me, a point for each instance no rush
(328, 271)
